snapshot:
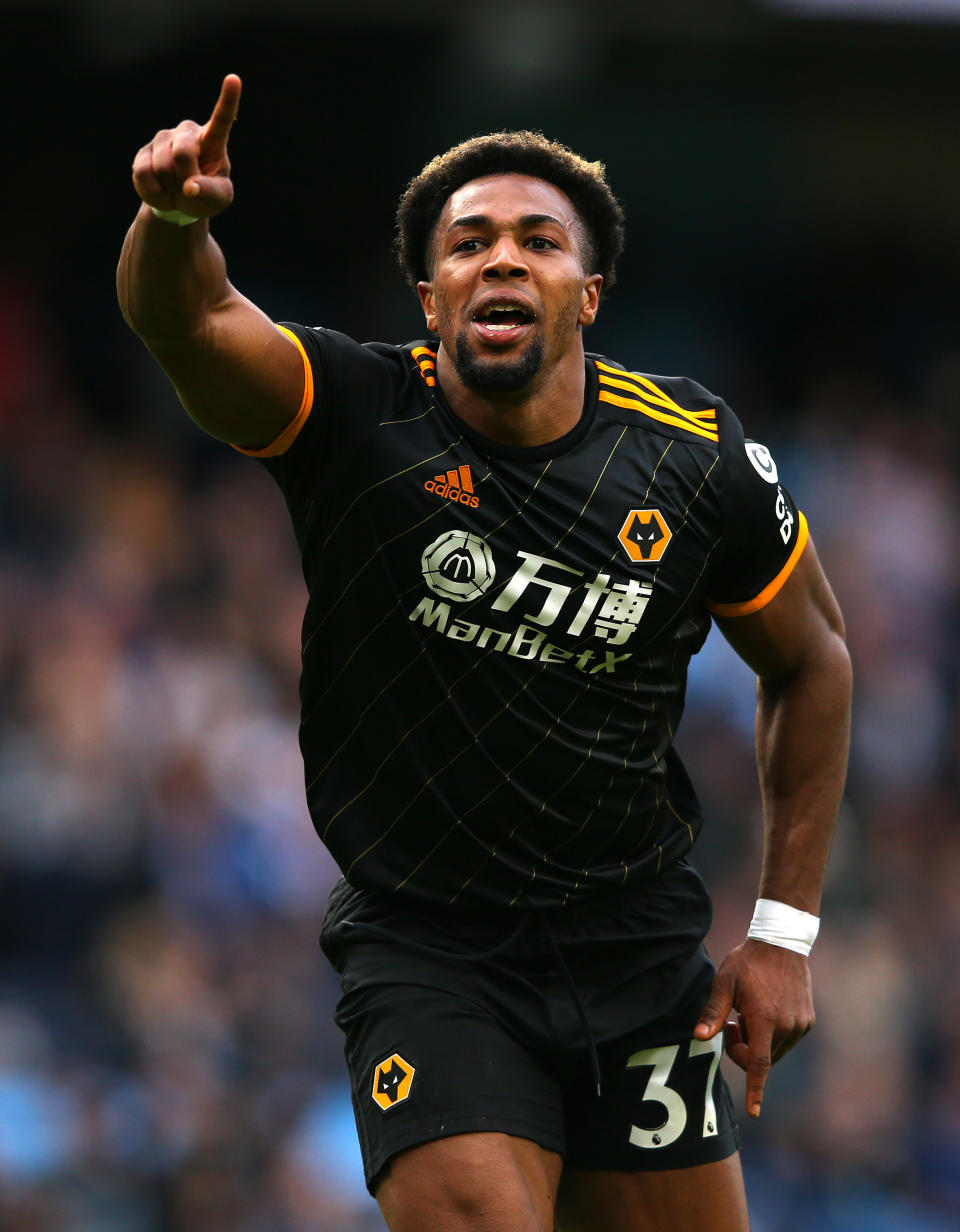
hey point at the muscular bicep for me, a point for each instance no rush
(240, 378)
(800, 626)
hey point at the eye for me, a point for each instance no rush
(467, 245)
(541, 243)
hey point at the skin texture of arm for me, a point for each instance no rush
(236, 374)
(796, 646)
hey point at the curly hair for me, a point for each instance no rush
(517, 153)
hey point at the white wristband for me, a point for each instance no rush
(177, 216)
(778, 924)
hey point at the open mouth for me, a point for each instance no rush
(503, 320)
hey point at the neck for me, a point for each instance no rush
(542, 412)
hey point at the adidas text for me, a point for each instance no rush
(451, 493)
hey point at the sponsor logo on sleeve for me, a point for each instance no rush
(761, 461)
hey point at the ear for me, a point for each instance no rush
(590, 299)
(428, 304)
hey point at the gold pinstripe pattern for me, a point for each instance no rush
(685, 822)
(423, 718)
(706, 562)
(343, 667)
(603, 471)
(528, 818)
(386, 543)
(507, 706)
(350, 734)
(456, 830)
(502, 782)
(560, 788)
(459, 821)
(653, 477)
(516, 513)
(410, 663)
(373, 777)
(386, 479)
(570, 528)
(693, 500)
(389, 423)
(434, 513)
(579, 830)
(371, 631)
(366, 564)
(456, 757)
(611, 837)
(526, 500)
(653, 813)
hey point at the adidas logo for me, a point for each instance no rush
(455, 485)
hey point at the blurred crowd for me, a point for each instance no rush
(168, 1060)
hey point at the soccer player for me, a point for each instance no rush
(512, 548)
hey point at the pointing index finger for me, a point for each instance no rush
(217, 128)
(758, 1066)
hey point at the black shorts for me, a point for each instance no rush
(458, 1023)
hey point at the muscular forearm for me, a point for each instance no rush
(239, 377)
(803, 727)
(796, 646)
(169, 278)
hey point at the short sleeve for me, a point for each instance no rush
(764, 533)
(346, 384)
(290, 433)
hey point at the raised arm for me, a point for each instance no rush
(237, 375)
(796, 646)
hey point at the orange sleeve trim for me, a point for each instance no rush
(292, 430)
(772, 588)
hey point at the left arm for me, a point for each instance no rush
(796, 646)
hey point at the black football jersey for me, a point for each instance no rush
(496, 640)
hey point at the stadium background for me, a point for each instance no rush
(792, 186)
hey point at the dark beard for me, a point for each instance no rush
(497, 376)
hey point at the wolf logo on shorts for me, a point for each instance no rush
(392, 1080)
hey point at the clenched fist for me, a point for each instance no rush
(186, 168)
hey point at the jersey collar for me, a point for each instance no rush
(528, 453)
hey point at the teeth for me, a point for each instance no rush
(499, 325)
(491, 314)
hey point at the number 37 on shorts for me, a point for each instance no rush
(682, 1091)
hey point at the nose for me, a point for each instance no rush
(505, 260)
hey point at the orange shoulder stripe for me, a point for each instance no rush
(634, 404)
(644, 388)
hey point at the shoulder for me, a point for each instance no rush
(340, 370)
(333, 348)
(671, 405)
